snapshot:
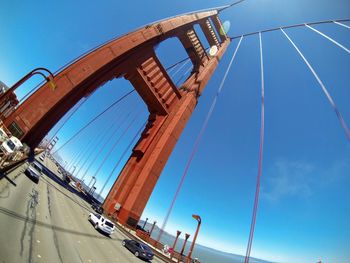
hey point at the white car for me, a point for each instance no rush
(42, 158)
(102, 223)
(74, 185)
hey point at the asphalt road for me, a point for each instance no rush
(47, 222)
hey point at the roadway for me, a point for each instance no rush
(47, 222)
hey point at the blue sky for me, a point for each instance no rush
(304, 207)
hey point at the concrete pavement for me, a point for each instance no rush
(47, 222)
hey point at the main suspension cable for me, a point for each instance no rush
(261, 151)
(196, 144)
(324, 89)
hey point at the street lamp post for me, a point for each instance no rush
(178, 233)
(154, 224)
(49, 79)
(144, 224)
(199, 220)
(183, 246)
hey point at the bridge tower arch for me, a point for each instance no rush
(132, 56)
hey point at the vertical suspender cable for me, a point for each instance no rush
(95, 118)
(324, 89)
(92, 149)
(329, 38)
(68, 118)
(198, 139)
(85, 150)
(122, 156)
(183, 75)
(180, 68)
(104, 145)
(116, 143)
(98, 140)
(341, 24)
(261, 152)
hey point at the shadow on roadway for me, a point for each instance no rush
(56, 228)
(70, 198)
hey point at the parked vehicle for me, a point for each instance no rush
(140, 250)
(101, 223)
(11, 145)
(3, 135)
(74, 185)
(97, 207)
(34, 171)
(42, 157)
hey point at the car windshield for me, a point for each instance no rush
(98, 216)
(110, 224)
(37, 166)
(11, 145)
(146, 248)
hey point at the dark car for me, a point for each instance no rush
(97, 207)
(140, 250)
(34, 171)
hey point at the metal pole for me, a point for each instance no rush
(199, 220)
(183, 246)
(144, 224)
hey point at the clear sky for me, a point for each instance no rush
(304, 211)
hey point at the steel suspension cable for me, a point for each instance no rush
(95, 118)
(98, 141)
(104, 145)
(180, 68)
(261, 152)
(341, 24)
(116, 144)
(78, 157)
(123, 155)
(183, 75)
(291, 26)
(197, 141)
(68, 118)
(324, 89)
(84, 151)
(329, 38)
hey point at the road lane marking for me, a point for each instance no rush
(38, 241)
(39, 256)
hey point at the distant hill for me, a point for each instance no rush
(203, 253)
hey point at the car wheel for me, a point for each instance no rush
(123, 243)
(137, 254)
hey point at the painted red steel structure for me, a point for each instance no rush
(132, 56)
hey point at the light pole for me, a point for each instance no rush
(144, 224)
(36, 71)
(199, 220)
(154, 224)
(178, 233)
(183, 246)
